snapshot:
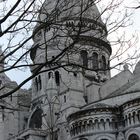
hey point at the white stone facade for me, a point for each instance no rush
(77, 103)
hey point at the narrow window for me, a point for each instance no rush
(85, 98)
(75, 74)
(39, 82)
(36, 84)
(50, 75)
(57, 78)
(103, 63)
(84, 56)
(108, 64)
(36, 119)
(95, 60)
(65, 99)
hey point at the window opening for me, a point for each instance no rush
(75, 74)
(36, 119)
(133, 137)
(85, 98)
(84, 56)
(57, 78)
(65, 99)
(39, 82)
(103, 63)
(36, 83)
(50, 74)
(95, 60)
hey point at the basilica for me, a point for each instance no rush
(73, 96)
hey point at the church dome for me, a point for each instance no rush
(74, 8)
(74, 14)
(82, 9)
(70, 18)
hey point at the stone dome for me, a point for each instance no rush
(72, 12)
(69, 8)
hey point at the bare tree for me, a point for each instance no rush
(56, 26)
(22, 21)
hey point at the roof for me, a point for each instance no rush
(116, 84)
(97, 105)
(130, 84)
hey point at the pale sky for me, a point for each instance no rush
(134, 29)
(19, 76)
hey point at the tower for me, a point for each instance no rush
(71, 43)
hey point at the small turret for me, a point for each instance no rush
(51, 89)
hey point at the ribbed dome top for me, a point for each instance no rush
(70, 9)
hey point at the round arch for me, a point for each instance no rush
(35, 119)
(132, 133)
(105, 137)
(95, 60)
(84, 56)
(133, 137)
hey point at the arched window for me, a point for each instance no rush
(84, 56)
(36, 119)
(64, 98)
(75, 74)
(133, 137)
(50, 75)
(39, 82)
(57, 78)
(103, 63)
(95, 60)
(36, 84)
